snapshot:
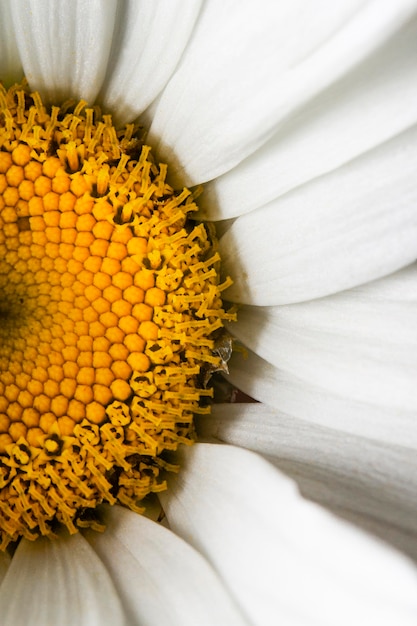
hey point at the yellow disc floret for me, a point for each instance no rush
(109, 307)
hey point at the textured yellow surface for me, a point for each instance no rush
(109, 298)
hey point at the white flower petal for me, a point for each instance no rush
(336, 469)
(343, 229)
(370, 105)
(160, 579)
(402, 540)
(10, 64)
(64, 46)
(58, 582)
(283, 557)
(361, 344)
(246, 69)
(148, 42)
(293, 396)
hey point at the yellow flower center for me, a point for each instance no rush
(109, 307)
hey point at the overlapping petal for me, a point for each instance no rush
(353, 225)
(148, 42)
(64, 46)
(58, 582)
(403, 540)
(360, 344)
(302, 565)
(161, 579)
(238, 80)
(368, 106)
(341, 471)
(312, 403)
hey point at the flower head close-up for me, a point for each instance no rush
(208, 304)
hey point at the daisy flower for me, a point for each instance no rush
(300, 121)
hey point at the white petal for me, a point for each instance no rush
(161, 580)
(58, 582)
(283, 557)
(309, 402)
(361, 344)
(343, 229)
(402, 540)
(64, 46)
(247, 69)
(148, 42)
(367, 107)
(341, 471)
(10, 64)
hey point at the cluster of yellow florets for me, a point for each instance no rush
(109, 299)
